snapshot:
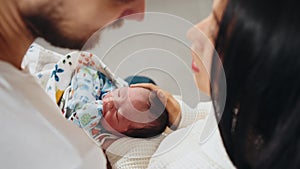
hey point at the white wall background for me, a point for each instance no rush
(180, 80)
(192, 10)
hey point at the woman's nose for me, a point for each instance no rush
(135, 10)
(197, 38)
(192, 33)
(197, 31)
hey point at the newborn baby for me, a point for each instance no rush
(93, 103)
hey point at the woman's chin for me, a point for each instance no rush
(196, 81)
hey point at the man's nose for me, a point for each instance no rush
(135, 10)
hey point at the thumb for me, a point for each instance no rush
(162, 96)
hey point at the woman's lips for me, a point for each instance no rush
(195, 67)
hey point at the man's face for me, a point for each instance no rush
(70, 23)
(126, 108)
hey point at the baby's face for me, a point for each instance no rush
(126, 108)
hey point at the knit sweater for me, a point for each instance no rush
(195, 144)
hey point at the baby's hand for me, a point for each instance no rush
(168, 100)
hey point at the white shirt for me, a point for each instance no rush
(33, 134)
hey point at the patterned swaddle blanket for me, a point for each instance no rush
(82, 102)
(77, 85)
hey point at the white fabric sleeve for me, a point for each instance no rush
(190, 115)
(132, 153)
(33, 134)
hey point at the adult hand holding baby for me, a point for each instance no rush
(168, 100)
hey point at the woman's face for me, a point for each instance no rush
(203, 37)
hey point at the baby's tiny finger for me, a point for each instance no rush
(145, 85)
(139, 85)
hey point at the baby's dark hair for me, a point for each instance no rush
(155, 127)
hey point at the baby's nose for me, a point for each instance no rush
(107, 99)
(108, 103)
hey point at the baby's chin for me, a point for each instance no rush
(105, 104)
(108, 128)
(104, 109)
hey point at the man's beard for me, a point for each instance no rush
(95, 38)
(43, 26)
(116, 24)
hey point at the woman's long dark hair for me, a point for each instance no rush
(259, 44)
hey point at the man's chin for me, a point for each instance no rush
(66, 43)
(77, 44)
(92, 41)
